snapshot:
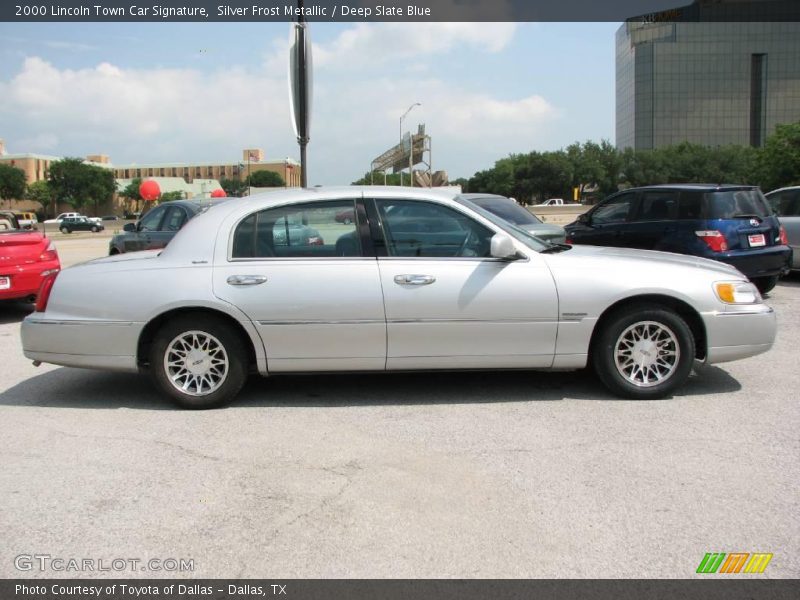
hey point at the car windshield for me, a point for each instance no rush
(735, 204)
(533, 242)
(507, 209)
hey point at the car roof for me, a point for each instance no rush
(698, 187)
(784, 189)
(208, 222)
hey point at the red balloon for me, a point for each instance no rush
(218, 194)
(149, 190)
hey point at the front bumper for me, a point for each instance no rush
(739, 332)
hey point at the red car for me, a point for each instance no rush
(26, 258)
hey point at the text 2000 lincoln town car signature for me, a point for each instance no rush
(419, 280)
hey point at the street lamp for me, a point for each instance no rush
(411, 149)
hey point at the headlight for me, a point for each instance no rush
(737, 292)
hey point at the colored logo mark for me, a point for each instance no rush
(735, 562)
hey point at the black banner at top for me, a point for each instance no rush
(398, 10)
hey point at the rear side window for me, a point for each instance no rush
(690, 206)
(660, 205)
(737, 203)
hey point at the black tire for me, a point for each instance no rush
(674, 336)
(347, 221)
(65, 230)
(113, 252)
(95, 229)
(233, 348)
(765, 284)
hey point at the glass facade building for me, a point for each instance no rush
(713, 83)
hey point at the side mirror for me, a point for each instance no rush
(502, 246)
(129, 227)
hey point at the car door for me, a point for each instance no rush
(315, 299)
(653, 224)
(145, 229)
(448, 303)
(605, 224)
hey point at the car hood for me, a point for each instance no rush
(646, 257)
(542, 229)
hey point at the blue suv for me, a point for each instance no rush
(730, 223)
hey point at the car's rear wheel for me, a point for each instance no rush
(95, 229)
(199, 362)
(765, 284)
(347, 220)
(643, 352)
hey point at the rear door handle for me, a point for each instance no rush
(246, 279)
(414, 279)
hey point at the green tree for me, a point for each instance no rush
(12, 182)
(266, 179)
(79, 184)
(170, 196)
(778, 162)
(39, 191)
(233, 187)
(376, 178)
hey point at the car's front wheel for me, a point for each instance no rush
(643, 352)
(200, 362)
(64, 230)
(765, 284)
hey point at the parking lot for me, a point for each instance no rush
(516, 474)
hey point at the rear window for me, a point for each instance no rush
(737, 203)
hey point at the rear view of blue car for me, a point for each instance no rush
(729, 223)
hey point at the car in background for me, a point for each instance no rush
(70, 224)
(733, 224)
(27, 220)
(66, 215)
(432, 283)
(508, 209)
(158, 226)
(27, 258)
(785, 202)
(345, 216)
(109, 218)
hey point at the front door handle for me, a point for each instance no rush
(246, 279)
(414, 279)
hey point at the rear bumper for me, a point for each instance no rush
(26, 279)
(759, 262)
(108, 345)
(740, 333)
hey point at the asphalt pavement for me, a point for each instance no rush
(521, 474)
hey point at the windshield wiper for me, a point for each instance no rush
(554, 248)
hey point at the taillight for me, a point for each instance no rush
(713, 239)
(49, 254)
(783, 237)
(44, 290)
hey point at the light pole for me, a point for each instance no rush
(411, 149)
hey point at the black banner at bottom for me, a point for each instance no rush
(395, 589)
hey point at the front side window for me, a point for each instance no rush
(308, 230)
(151, 220)
(423, 229)
(614, 211)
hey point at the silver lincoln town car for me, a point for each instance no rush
(418, 280)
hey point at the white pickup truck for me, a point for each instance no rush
(553, 202)
(64, 215)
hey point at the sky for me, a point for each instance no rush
(201, 92)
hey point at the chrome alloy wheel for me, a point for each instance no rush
(647, 353)
(196, 363)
